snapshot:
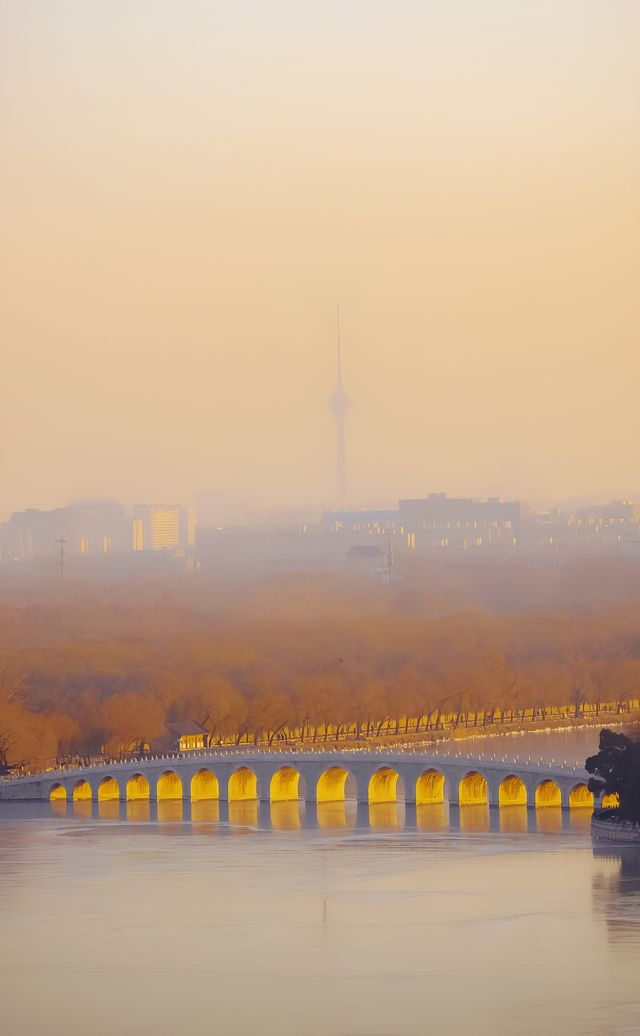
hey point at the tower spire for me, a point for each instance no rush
(339, 355)
(339, 404)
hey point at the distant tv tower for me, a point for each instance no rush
(339, 403)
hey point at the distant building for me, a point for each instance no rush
(619, 512)
(365, 552)
(169, 527)
(89, 527)
(438, 511)
(191, 736)
(437, 522)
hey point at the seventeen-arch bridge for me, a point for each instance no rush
(371, 776)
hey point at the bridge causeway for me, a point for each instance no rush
(367, 775)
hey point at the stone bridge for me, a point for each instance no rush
(371, 776)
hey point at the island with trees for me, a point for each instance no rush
(615, 772)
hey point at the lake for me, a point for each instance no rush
(288, 920)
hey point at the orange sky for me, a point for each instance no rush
(188, 189)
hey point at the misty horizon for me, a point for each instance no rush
(213, 508)
(177, 236)
(319, 517)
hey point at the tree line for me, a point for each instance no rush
(297, 657)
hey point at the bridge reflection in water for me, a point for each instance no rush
(432, 816)
(210, 814)
(205, 811)
(475, 817)
(383, 791)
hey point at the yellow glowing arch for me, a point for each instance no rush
(611, 801)
(430, 788)
(473, 790)
(548, 794)
(204, 785)
(82, 792)
(57, 793)
(137, 788)
(243, 785)
(383, 785)
(169, 786)
(512, 792)
(108, 790)
(580, 797)
(284, 785)
(332, 784)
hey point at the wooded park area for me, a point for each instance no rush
(308, 655)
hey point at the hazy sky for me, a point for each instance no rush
(189, 187)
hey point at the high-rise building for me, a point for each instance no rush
(339, 403)
(163, 527)
(85, 525)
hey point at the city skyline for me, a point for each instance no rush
(231, 512)
(431, 527)
(176, 236)
(319, 517)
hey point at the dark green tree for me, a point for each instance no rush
(616, 770)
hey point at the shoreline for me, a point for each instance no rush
(544, 726)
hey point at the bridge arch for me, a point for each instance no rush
(512, 792)
(169, 786)
(548, 794)
(473, 789)
(204, 786)
(82, 791)
(137, 788)
(108, 790)
(243, 785)
(333, 785)
(580, 797)
(611, 801)
(285, 785)
(384, 785)
(58, 793)
(430, 788)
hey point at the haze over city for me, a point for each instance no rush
(189, 190)
(319, 517)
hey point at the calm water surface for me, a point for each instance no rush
(340, 920)
(293, 922)
(571, 746)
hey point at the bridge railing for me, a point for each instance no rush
(388, 754)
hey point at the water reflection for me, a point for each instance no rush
(549, 820)
(205, 811)
(514, 820)
(616, 892)
(244, 813)
(158, 927)
(580, 819)
(287, 816)
(474, 818)
(139, 810)
(385, 816)
(170, 811)
(290, 816)
(337, 814)
(109, 810)
(432, 816)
